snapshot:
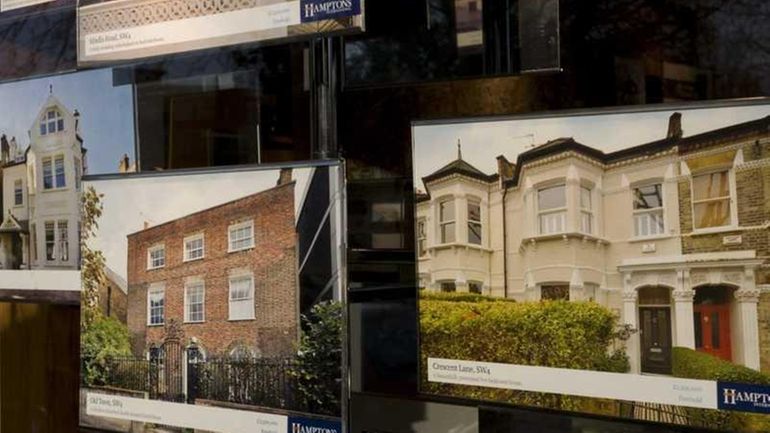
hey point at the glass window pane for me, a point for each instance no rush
(712, 185)
(474, 233)
(447, 211)
(474, 212)
(648, 197)
(551, 198)
(448, 233)
(712, 214)
(585, 197)
(386, 212)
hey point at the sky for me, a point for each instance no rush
(482, 142)
(106, 113)
(130, 201)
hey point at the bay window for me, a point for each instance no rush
(552, 209)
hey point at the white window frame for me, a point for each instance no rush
(52, 160)
(479, 283)
(442, 223)
(155, 289)
(731, 200)
(188, 251)
(235, 227)
(18, 191)
(587, 213)
(152, 249)
(60, 252)
(241, 276)
(51, 125)
(559, 213)
(476, 202)
(194, 284)
(422, 237)
(646, 215)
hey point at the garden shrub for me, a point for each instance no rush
(460, 297)
(691, 364)
(101, 340)
(560, 334)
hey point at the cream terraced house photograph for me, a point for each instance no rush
(663, 218)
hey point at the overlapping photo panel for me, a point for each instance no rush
(58, 131)
(212, 300)
(612, 264)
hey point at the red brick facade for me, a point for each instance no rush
(272, 260)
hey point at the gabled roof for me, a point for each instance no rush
(12, 225)
(459, 166)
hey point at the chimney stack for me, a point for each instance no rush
(505, 168)
(284, 177)
(675, 126)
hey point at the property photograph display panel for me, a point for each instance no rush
(56, 132)
(612, 263)
(230, 314)
(115, 30)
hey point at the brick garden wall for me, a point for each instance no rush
(273, 261)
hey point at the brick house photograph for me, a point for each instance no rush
(224, 272)
(654, 224)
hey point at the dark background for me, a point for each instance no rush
(356, 96)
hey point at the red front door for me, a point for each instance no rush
(712, 330)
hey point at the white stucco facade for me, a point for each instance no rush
(41, 194)
(564, 225)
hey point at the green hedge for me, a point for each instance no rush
(690, 364)
(697, 365)
(459, 297)
(560, 334)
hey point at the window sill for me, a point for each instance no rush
(155, 325)
(649, 238)
(241, 249)
(156, 268)
(57, 189)
(192, 260)
(714, 230)
(194, 322)
(564, 236)
(241, 320)
(457, 245)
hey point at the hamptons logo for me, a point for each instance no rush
(307, 425)
(316, 10)
(744, 397)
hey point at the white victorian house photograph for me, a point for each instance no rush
(656, 216)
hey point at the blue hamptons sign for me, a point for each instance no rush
(310, 425)
(317, 10)
(743, 397)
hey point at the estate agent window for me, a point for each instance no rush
(242, 297)
(193, 247)
(51, 122)
(711, 200)
(53, 172)
(241, 236)
(648, 211)
(552, 209)
(194, 302)
(156, 305)
(18, 193)
(586, 210)
(156, 257)
(447, 221)
(474, 222)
